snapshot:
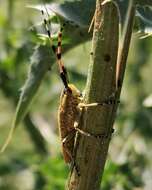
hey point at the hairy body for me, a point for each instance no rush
(67, 116)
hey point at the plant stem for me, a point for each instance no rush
(125, 44)
(123, 52)
(91, 153)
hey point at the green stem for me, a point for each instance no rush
(91, 153)
(123, 52)
(125, 44)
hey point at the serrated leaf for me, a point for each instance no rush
(73, 11)
(76, 22)
(143, 13)
(122, 7)
(39, 67)
(76, 30)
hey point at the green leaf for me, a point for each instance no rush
(71, 10)
(136, 2)
(148, 101)
(39, 67)
(144, 15)
(144, 2)
(75, 29)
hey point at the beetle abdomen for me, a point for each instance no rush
(66, 118)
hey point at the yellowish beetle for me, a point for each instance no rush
(71, 105)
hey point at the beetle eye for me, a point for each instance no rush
(67, 90)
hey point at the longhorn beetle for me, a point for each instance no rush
(71, 102)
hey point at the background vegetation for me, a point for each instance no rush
(33, 160)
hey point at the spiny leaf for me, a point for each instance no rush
(39, 67)
(143, 14)
(71, 10)
(41, 60)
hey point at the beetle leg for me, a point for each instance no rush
(65, 142)
(98, 136)
(81, 131)
(103, 103)
(78, 118)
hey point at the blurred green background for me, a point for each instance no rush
(33, 159)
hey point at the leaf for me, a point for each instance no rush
(71, 10)
(144, 15)
(76, 30)
(122, 7)
(144, 2)
(39, 67)
(136, 2)
(148, 101)
(69, 14)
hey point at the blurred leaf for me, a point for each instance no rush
(148, 101)
(70, 10)
(39, 67)
(144, 15)
(41, 61)
(143, 12)
(144, 2)
(40, 64)
(136, 2)
(110, 170)
(73, 33)
(55, 173)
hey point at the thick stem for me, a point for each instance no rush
(91, 153)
